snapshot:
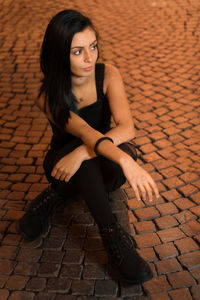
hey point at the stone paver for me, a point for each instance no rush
(155, 44)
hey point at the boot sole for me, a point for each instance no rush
(147, 276)
(138, 281)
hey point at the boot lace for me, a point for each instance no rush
(118, 242)
(45, 202)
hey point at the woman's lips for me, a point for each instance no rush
(88, 68)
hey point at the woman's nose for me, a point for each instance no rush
(87, 56)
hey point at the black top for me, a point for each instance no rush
(97, 114)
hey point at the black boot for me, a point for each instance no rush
(35, 221)
(120, 247)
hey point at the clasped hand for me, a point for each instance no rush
(67, 166)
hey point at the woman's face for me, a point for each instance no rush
(84, 53)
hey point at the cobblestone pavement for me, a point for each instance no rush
(155, 44)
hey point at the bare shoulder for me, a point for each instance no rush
(112, 74)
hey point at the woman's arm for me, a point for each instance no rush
(114, 89)
(139, 179)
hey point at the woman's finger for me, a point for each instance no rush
(58, 174)
(62, 176)
(149, 191)
(137, 194)
(142, 191)
(154, 187)
(54, 171)
(67, 177)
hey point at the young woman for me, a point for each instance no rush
(87, 156)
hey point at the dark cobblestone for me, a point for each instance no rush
(36, 284)
(71, 271)
(94, 272)
(131, 290)
(83, 287)
(48, 270)
(105, 288)
(58, 285)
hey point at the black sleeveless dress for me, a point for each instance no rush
(97, 115)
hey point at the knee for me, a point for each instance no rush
(88, 166)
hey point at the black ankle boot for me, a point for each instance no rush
(35, 221)
(120, 247)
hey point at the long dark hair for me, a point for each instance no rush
(55, 63)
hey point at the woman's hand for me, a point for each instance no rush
(141, 182)
(67, 166)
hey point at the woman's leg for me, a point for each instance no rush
(88, 181)
(90, 184)
(91, 181)
(112, 173)
(95, 178)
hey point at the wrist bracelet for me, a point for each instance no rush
(99, 141)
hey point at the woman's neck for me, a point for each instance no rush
(80, 81)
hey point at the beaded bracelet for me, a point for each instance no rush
(99, 141)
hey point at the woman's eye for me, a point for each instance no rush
(78, 52)
(94, 47)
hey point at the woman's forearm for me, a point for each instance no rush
(105, 148)
(139, 179)
(121, 133)
(118, 134)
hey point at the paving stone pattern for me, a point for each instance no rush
(155, 44)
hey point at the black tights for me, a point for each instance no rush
(94, 179)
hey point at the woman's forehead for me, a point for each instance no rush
(83, 38)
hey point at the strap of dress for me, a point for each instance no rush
(100, 68)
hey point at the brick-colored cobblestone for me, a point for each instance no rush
(190, 260)
(191, 228)
(4, 294)
(186, 245)
(145, 226)
(181, 279)
(21, 295)
(167, 209)
(154, 44)
(8, 252)
(147, 213)
(181, 294)
(163, 296)
(166, 222)
(6, 266)
(148, 254)
(26, 268)
(171, 234)
(157, 285)
(147, 240)
(195, 290)
(16, 282)
(168, 266)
